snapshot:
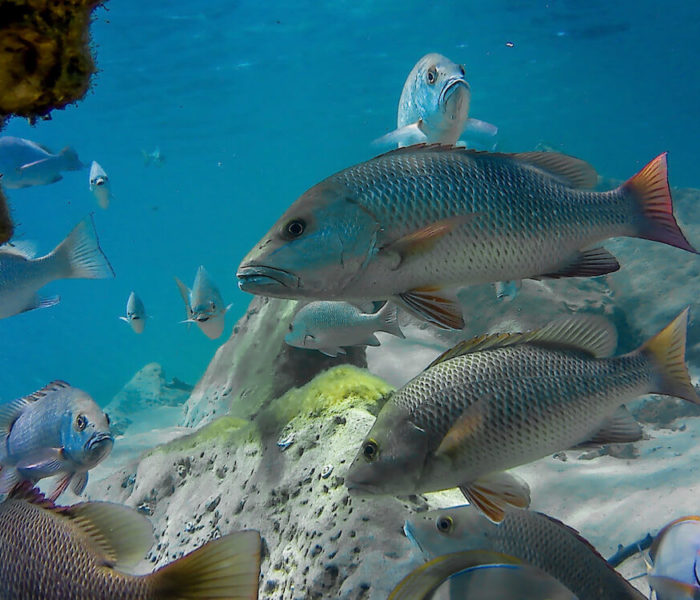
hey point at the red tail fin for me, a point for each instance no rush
(650, 189)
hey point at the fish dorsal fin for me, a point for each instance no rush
(185, 294)
(11, 410)
(54, 386)
(27, 492)
(573, 171)
(121, 534)
(586, 333)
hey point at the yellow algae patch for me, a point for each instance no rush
(227, 430)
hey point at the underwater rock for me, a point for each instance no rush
(45, 60)
(255, 365)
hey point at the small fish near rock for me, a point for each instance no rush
(84, 552)
(204, 303)
(135, 313)
(100, 185)
(57, 431)
(24, 163)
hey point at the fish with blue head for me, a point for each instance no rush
(25, 163)
(59, 431)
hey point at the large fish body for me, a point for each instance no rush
(331, 326)
(100, 185)
(504, 400)
(25, 163)
(204, 303)
(135, 313)
(56, 431)
(533, 537)
(675, 573)
(80, 552)
(415, 221)
(21, 276)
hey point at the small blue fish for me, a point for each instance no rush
(204, 303)
(135, 313)
(58, 430)
(674, 573)
(99, 185)
(24, 163)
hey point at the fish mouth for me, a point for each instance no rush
(98, 441)
(450, 88)
(260, 277)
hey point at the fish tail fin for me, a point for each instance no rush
(388, 319)
(79, 256)
(650, 192)
(666, 352)
(226, 568)
(70, 158)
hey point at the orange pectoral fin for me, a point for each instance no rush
(468, 422)
(493, 493)
(426, 304)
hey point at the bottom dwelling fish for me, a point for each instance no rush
(674, 573)
(503, 400)
(79, 553)
(330, 326)
(533, 537)
(57, 431)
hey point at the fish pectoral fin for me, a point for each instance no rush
(493, 493)
(422, 240)
(479, 127)
(428, 305)
(586, 263)
(619, 428)
(122, 535)
(462, 429)
(79, 482)
(42, 463)
(28, 167)
(38, 302)
(405, 136)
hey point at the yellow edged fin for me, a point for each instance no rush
(666, 351)
(225, 569)
(572, 171)
(494, 492)
(427, 305)
(120, 534)
(422, 582)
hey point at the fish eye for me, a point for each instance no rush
(81, 422)
(432, 75)
(370, 451)
(213, 306)
(295, 228)
(462, 71)
(444, 524)
(291, 327)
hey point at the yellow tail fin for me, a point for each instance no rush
(224, 569)
(666, 350)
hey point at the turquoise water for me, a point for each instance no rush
(250, 106)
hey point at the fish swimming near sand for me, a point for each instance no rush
(434, 105)
(135, 313)
(81, 552)
(79, 256)
(674, 572)
(57, 431)
(331, 326)
(535, 538)
(204, 303)
(99, 185)
(416, 223)
(24, 163)
(503, 400)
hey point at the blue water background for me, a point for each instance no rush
(252, 103)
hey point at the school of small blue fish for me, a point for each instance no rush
(398, 233)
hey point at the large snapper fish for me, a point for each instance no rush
(414, 223)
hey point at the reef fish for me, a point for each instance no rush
(99, 185)
(204, 304)
(81, 551)
(413, 223)
(77, 257)
(535, 538)
(503, 400)
(24, 163)
(434, 105)
(674, 573)
(135, 313)
(330, 326)
(57, 431)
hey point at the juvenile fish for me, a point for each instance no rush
(99, 185)
(24, 163)
(534, 538)
(135, 313)
(77, 257)
(434, 105)
(330, 326)
(414, 223)
(56, 431)
(79, 552)
(674, 573)
(503, 400)
(204, 304)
